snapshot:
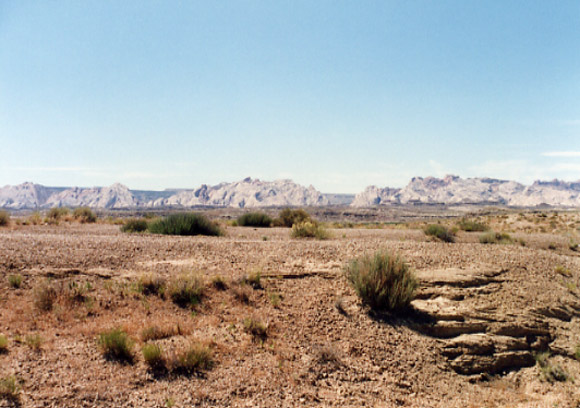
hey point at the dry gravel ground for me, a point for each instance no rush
(482, 312)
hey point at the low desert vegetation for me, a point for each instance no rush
(185, 224)
(15, 281)
(153, 356)
(288, 217)
(383, 281)
(135, 225)
(255, 219)
(151, 284)
(44, 296)
(219, 282)
(256, 328)
(253, 279)
(309, 229)
(9, 388)
(84, 215)
(157, 333)
(440, 232)
(492, 237)
(3, 344)
(563, 271)
(195, 358)
(116, 345)
(34, 341)
(56, 214)
(550, 372)
(4, 218)
(472, 226)
(186, 290)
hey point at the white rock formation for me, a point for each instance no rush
(115, 196)
(26, 195)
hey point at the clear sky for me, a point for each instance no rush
(338, 94)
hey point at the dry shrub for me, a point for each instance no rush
(256, 328)
(4, 218)
(254, 219)
(440, 232)
(157, 333)
(9, 389)
(382, 281)
(44, 297)
(3, 344)
(84, 215)
(135, 225)
(195, 358)
(288, 217)
(152, 285)
(153, 356)
(219, 283)
(242, 293)
(492, 237)
(15, 281)
(309, 229)
(116, 345)
(187, 290)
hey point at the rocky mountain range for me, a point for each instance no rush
(455, 190)
(253, 193)
(242, 194)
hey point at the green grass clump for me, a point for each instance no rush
(471, 226)
(309, 229)
(288, 217)
(187, 290)
(134, 225)
(116, 345)
(152, 285)
(197, 357)
(9, 388)
(492, 237)
(550, 372)
(255, 219)
(383, 281)
(15, 281)
(440, 232)
(153, 356)
(84, 215)
(185, 224)
(4, 218)
(563, 271)
(3, 344)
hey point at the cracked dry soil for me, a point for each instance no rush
(481, 315)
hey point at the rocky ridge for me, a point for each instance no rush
(456, 190)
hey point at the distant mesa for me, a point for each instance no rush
(255, 193)
(247, 193)
(455, 190)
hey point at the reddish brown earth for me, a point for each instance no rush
(483, 312)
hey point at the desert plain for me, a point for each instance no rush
(492, 325)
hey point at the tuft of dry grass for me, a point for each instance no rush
(3, 344)
(9, 388)
(115, 344)
(4, 218)
(152, 285)
(195, 358)
(15, 281)
(309, 229)
(256, 328)
(157, 333)
(219, 283)
(153, 356)
(44, 297)
(34, 341)
(186, 290)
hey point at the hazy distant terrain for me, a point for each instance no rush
(254, 193)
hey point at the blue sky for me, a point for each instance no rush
(338, 94)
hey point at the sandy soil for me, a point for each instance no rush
(315, 353)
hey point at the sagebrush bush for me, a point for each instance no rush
(288, 217)
(57, 213)
(492, 237)
(309, 229)
(134, 225)
(116, 344)
(440, 232)
(186, 290)
(472, 226)
(157, 333)
(84, 215)
(153, 356)
(150, 284)
(9, 388)
(255, 219)
(197, 357)
(383, 281)
(4, 218)
(185, 224)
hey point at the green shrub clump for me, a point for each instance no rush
(134, 225)
(472, 226)
(153, 356)
(309, 229)
(116, 344)
(56, 213)
(440, 232)
(185, 224)
(195, 358)
(186, 290)
(382, 281)
(492, 237)
(84, 215)
(4, 218)
(3, 344)
(9, 389)
(288, 217)
(15, 281)
(255, 219)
